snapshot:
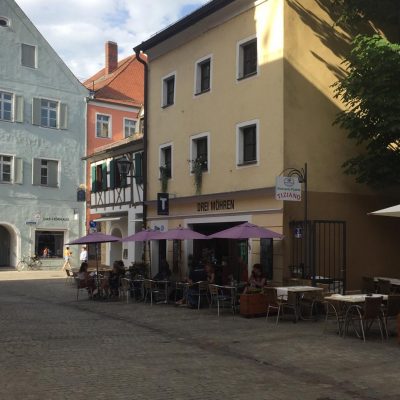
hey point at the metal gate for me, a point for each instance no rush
(319, 252)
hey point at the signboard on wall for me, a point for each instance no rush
(162, 203)
(288, 188)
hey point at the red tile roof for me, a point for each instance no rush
(124, 86)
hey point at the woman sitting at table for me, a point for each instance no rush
(110, 283)
(164, 272)
(257, 279)
(85, 279)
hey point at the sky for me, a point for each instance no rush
(78, 29)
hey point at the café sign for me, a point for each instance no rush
(216, 205)
(288, 188)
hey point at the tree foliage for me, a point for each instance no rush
(371, 94)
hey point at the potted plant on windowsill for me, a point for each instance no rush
(164, 177)
(198, 167)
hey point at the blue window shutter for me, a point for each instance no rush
(112, 174)
(104, 176)
(138, 168)
(94, 186)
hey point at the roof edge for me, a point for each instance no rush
(182, 24)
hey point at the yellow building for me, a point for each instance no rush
(240, 91)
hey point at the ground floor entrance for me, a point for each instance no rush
(5, 247)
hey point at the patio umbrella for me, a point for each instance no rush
(180, 234)
(143, 236)
(96, 238)
(388, 212)
(245, 231)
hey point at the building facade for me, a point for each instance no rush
(239, 93)
(114, 123)
(42, 138)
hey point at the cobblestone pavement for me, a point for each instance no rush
(54, 347)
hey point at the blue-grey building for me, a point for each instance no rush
(42, 141)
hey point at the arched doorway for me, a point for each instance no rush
(116, 247)
(5, 247)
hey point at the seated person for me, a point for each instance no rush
(110, 284)
(164, 272)
(85, 279)
(210, 273)
(257, 279)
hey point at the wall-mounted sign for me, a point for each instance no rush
(216, 205)
(30, 222)
(288, 188)
(58, 219)
(298, 232)
(81, 195)
(162, 204)
(93, 224)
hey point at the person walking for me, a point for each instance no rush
(83, 257)
(67, 257)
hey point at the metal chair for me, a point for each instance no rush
(199, 290)
(70, 276)
(366, 315)
(335, 310)
(221, 296)
(273, 302)
(391, 310)
(150, 287)
(124, 288)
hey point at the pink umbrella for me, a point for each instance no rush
(96, 238)
(180, 234)
(142, 236)
(245, 231)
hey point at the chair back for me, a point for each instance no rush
(291, 298)
(148, 284)
(213, 290)
(383, 286)
(393, 305)
(271, 294)
(368, 285)
(203, 286)
(324, 286)
(372, 307)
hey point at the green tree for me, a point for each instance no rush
(371, 94)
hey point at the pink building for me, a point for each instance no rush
(114, 133)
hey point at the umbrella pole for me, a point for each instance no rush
(97, 270)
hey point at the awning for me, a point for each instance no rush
(107, 219)
(388, 212)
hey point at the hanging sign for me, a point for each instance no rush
(162, 204)
(288, 188)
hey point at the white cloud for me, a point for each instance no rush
(78, 29)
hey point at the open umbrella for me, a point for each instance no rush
(245, 231)
(180, 234)
(388, 212)
(96, 238)
(143, 236)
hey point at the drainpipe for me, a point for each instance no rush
(146, 110)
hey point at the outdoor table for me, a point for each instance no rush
(393, 281)
(282, 292)
(349, 300)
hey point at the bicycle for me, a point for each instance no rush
(29, 263)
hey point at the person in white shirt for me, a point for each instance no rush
(83, 257)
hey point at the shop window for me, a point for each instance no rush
(49, 244)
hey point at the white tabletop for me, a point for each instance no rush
(393, 281)
(283, 290)
(354, 298)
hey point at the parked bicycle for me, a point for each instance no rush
(29, 263)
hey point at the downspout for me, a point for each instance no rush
(144, 159)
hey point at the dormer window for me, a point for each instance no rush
(4, 22)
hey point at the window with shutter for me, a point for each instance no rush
(6, 167)
(6, 106)
(94, 185)
(138, 168)
(104, 176)
(45, 172)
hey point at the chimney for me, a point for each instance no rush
(111, 57)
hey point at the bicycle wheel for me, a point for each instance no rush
(37, 264)
(22, 265)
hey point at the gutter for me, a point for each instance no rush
(146, 110)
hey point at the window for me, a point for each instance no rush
(203, 75)
(6, 102)
(4, 22)
(99, 177)
(247, 58)
(45, 172)
(28, 55)
(52, 240)
(103, 126)
(168, 91)
(166, 161)
(48, 113)
(129, 127)
(199, 151)
(247, 138)
(5, 168)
